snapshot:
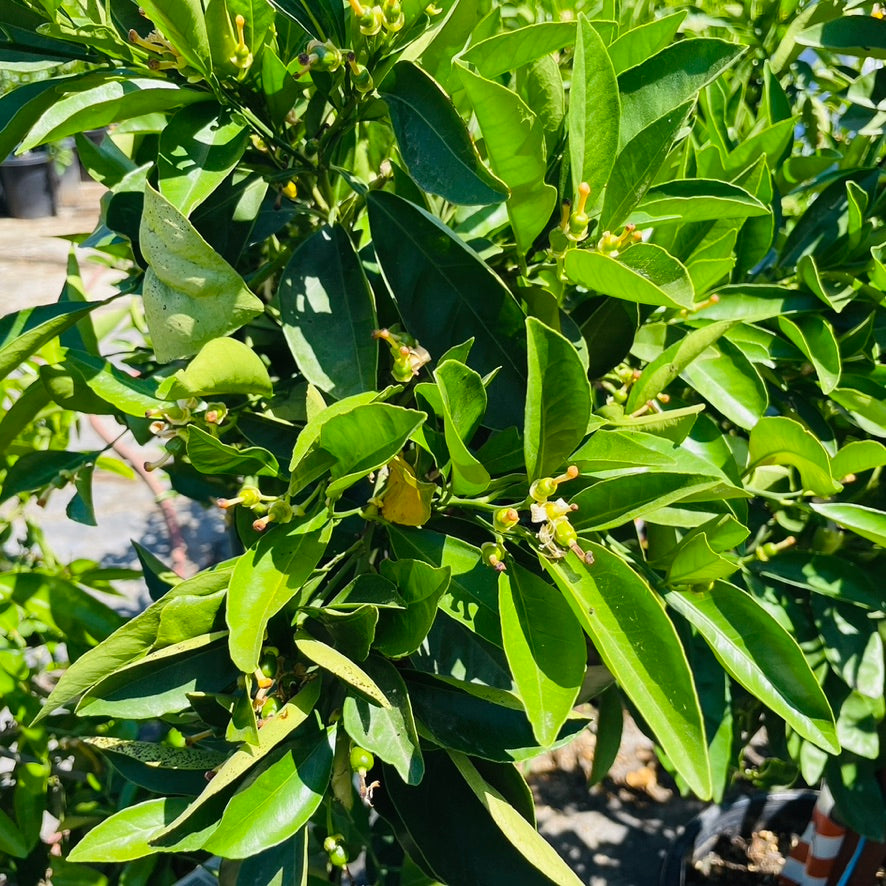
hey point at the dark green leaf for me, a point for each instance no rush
(210, 456)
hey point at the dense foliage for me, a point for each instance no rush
(534, 353)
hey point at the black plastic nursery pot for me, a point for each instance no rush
(785, 812)
(28, 185)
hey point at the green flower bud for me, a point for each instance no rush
(543, 489)
(505, 519)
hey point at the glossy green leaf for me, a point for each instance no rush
(696, 561)
(389, 732)
(319, 18)
(636, 45)
(514, 140)
(198, 148)
(545, 648)
(594, 111)
(858, 35)
(364, 439)
(869, 523)
(638, 163)
(637, 642)
(101, 98)
(434, 278)
(672, 361)
(12, 841)
(328, 314)
(618, 500)
(472, 595)
(761, 655)
(463, 403)
(697, 199)
(37, 469)
(276, 803)
(420, 585)
(752, 302)
(815, 338)
(776, 440)
(519, 831)
(825, 574)
(265, 578)
(285, 864)
(125, 835)
(24, 332)
(610, 724)
(210, 456)
(333, 661)
(191, 294)
(558, 400)
(669, 78)
(222, 366)
(645, 273)
(461, 721)
(512, 49)
(858, 456)
(433, 140)
(159, 683)
(867, 407)
(725, 377)
(184, 25)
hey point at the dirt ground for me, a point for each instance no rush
(612, 835)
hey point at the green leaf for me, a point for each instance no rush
(867, 407)
(435, 279)
(364, 439)
(321, 19)
(283, 865)
(815, 338)
(518, 831)
(210, 456)
(858, 456)
(333, 661)
(869, 523)
(184, 25)
(328, 314)
(465, 722)
(636, 45)
(617, 500)
(698, 199)
(558, 400)
(725, 377)
(433, 140)
(159, 683)
(672, 361)
(191, 294)
(126, 834)
(610, 724)
(776, 440)
(37, 469)
(863, 36)
(389, 732)
(637, 642)
(594, 112)
(761, 655)
(463, 401)
(752, 302)
(669, 79)
(222, 366)
(265, 579)
(638, 163)
(645, 273)
(545, 648)
(12, 841)
(24, 332)
(278, 802)
(272, 734)
(697, 560)
(103, 97)
(198, 148)
(514, 140)
(401, 632)
(130, 641)
(514, 48)
(472, 595)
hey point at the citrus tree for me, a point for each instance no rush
(534, 354)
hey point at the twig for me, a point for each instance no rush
(167, 509)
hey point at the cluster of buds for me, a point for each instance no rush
(320, 56)
(556, 533)
(409, 356)
(611, 245)
(163, 56)
(278, 511)
(371, 19)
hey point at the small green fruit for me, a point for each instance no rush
(361, 760)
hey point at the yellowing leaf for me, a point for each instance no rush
(407, 500)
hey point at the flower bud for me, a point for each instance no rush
(493, 555)
(543, 489)
(505, 519)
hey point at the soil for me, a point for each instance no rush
(739, 861)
